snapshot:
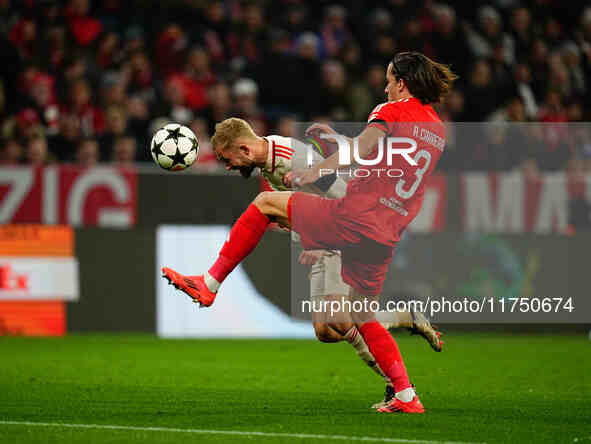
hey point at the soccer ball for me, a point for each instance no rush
(174, 147)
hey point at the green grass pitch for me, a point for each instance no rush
(482, 388)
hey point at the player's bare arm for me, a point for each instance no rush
(368, 140)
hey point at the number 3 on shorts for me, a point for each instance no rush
(407, 193)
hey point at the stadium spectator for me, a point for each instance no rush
(455, 106)
(194, 81)
(367, 92)
(296, 20)
(287, 126)
(84, 28)
(558, 77)
(138, 122)
(538, 61)
(449, 39)
(245, 92)
(220, 105)
(23, 35)
(481, 98)
(274, 96)
(173, 103)
(207, 157)
(522, 32)
(215, 27)
(124, 150)
(513, 111)
(91, 118)
(45, 103)
(488, 33)
(198, 68)
(113, 89)
(64, 144)
(55, 47)
(115, 127)
(350, 56)
(574, 110)
(334, 31)
(76, 59)
(246, 40)
(139, 75)
(571, 56)
(36, 152)
(108, 53)
(502, 77)
(75, 68)
(169, 49)
(87, 152)
(11, 153)
(25, 126)
(522, 79)
(332, 99)
(552, 110)
(412, 37)
(133, 40)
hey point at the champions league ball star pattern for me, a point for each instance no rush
(174, 147)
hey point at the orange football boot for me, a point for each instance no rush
(397, 406)
(193, 286)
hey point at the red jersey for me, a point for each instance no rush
(381, 205)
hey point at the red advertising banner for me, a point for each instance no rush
(514, 203)
(102, 196)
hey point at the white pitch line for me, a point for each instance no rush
(229, 432)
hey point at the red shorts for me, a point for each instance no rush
(316, 219)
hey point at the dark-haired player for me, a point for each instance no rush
(368, 221)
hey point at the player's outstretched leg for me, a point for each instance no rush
(421, 326)
(193, 286)
(244, 237)
(415, 322)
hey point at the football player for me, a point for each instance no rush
(367, 222)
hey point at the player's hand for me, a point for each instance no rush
(293, 179)
(310, 257)
(287, 179)
(299, 178)
(274, 226)
(316, 129)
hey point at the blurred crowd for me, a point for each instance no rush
(90, 81)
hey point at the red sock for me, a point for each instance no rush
(384, 349)
(244, 236)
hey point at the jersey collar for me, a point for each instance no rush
(270, 164)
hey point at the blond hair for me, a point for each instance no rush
(227, 131)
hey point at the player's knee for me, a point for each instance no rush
(263, 201)
(341, 327)
(360, 318)
(323, 333)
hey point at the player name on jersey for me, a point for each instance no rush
(428, 137)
